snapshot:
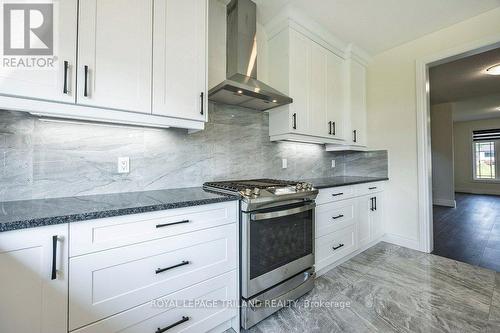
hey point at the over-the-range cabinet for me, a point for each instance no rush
(145, 57)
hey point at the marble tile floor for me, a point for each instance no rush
(388, 288)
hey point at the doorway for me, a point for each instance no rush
(463, 133)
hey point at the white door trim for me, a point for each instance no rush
(423, 128)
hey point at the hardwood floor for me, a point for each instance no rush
(471, 232)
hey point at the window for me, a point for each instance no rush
(486, 144)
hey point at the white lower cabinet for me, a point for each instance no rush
(348, 218)
(33, 280)
(180, 258)
(198, 308)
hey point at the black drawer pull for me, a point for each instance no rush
(161, 270)
(53, 274)
(202, 102)
(372, 188)
(334, 131)
(183, 320)
(173, 223)
(337, 247)
(330, 127)
(294, 117)
(337, 217)
(337, 194)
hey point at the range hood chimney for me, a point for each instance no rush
(241, 86)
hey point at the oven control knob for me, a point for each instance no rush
(298, 187)
(248, 192)
(308, 186)
(256, 191)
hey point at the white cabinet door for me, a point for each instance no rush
(364, 216)
(47, 82)
(180, 59)
(115, 54)
(32, 299)
(319, 123)
(336, 95)
(376, 217)
(358, 103)
(299, 82)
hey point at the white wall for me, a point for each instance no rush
(392, 116)
(464, 157)
(443, 187)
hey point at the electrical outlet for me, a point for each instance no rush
(123, 165)
(333, 163)
(284, 163)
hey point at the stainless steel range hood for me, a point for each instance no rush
(241, 86)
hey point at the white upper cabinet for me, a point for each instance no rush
(47, 83)
(357, 103)
(314, 76)
(180, 59)
(115, 54)
(34, 280)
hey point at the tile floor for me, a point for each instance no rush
(389, 288)
(471, 232)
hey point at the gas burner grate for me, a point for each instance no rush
(240, 185)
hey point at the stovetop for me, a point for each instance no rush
(261, 193)
(241, 185)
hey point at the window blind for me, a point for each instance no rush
(486, 135)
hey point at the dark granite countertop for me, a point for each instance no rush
(36, 213)
(327, 182)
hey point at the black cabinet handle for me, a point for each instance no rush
(202, 102)
(375, 199)
(330, 127)
(372, 204)
(173, 223)
(54, 258)
(334, 130)
(337, 194)
(355, 134)
(183, 320)
(372, 188)
(65, 82)
(294, 121)
(337, 217)
(161, 270)
(337, 247)
(85, 81)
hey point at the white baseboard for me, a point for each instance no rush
(478, 191)
(402, 241)
(444, 202)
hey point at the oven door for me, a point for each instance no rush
(277, 244)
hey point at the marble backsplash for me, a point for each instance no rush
(46, 159)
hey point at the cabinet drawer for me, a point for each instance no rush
(333, 194)
(334, 216)
(107, 233)
(366, 189)
(169, 310)
(343, 241)
(105, 283)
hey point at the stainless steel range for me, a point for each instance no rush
(277, 243)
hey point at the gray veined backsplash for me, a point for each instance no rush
(46, 159)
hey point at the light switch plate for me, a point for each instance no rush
(284, 163)
(123, 164)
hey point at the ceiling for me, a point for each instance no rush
(463, 82)
(379, 25)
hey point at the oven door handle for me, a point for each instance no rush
(281, 213)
